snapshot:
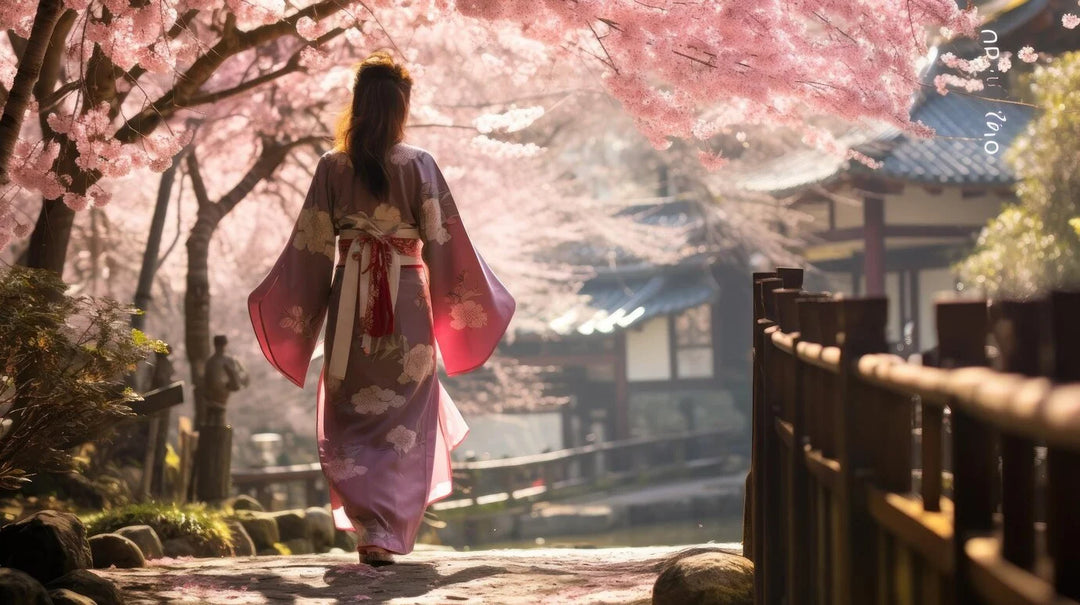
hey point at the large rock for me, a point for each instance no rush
(184, 546)
(146, 538)
(291, 525)
(46, 545)
(114, 549)
(20, 587)
(705, 577)
(244, 502)
(274, 550)
(320, 528)
(87, 583)
(242, 544)
(262, 529)
(300, 546)
(63, 596)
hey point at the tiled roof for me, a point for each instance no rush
(803, 167)
(616, 303)
(954, 156)
(957, 154)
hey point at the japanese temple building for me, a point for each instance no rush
(652, 349)
(897, 230)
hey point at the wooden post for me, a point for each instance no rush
(792, 314)
(1017, 330)
(862, 331)
(1063, 466)
(767, 547)
(213, 460)
(874, 244)
(188, 443)
(961, 329)
(751, 529)
(622, 400)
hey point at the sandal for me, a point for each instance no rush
(376, 557)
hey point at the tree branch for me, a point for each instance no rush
(292, 65)
(197, 184)
(30, 63)
(232, 42)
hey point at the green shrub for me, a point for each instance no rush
(169, 520)
(62, 362)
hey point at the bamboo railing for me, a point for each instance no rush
(874, 480)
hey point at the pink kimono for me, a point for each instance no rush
(385, 425)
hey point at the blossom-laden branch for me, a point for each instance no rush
(17, 99)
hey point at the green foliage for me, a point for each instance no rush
(62, 362)
(207, 526)
(1035, 246)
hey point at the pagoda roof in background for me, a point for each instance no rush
(954, 156)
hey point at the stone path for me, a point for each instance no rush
(503, 577)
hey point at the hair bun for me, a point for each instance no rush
(381, 66)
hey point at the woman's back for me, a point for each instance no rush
(350, 195)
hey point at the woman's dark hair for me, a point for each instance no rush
(375, 121)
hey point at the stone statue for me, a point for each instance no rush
(223, 375)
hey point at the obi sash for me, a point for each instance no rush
(373, 259)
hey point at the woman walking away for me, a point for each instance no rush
(406, 277)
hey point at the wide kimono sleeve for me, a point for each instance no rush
(470, 307)
(288, 308)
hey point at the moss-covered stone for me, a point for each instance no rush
(320, 528)
(146, 538)
(203, 528)
(262, 529)
(291, 525)
(242, 502)
(242, 544)
(705, 577)
(114, 549)
(300, 546)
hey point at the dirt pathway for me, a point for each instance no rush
(573, 576)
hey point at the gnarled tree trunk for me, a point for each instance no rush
(30, 64)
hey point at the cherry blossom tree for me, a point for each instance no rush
(115, 74)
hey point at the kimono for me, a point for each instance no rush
(407, 279)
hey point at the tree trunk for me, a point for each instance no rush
(153, 245)
(48, 13)
(197, 300)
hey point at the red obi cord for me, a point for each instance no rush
(380, 317)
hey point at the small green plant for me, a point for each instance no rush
(1034, 245)
(62, 363)
(205, 526)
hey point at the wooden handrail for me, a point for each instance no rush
(841, 512)
(260, 478)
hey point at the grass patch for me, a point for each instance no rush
(207, 526)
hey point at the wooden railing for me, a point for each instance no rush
(834, 516)
(541, 476)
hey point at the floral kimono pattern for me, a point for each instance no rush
(386, 426)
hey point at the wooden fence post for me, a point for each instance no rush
(768, 551)
(753, 523)
(1017, 328)
(862, 331)
(961, 329)
(1063, 466)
